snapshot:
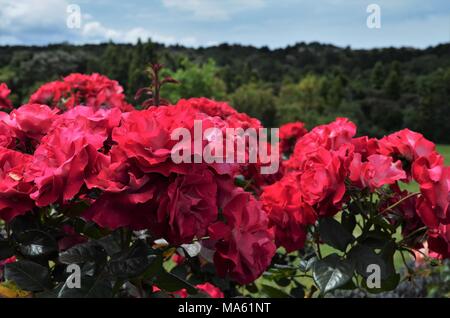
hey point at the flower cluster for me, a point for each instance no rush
(119, 163)
(78, 153)
(96, 91)
(329, 163)
(5, 103)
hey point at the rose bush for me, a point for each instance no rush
(87, 179)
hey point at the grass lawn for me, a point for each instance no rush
(445, 151)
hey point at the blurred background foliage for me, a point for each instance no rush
(382, 90)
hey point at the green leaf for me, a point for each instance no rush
(375, 239)
(111, 243)
(348, 221)
(28, 275)
(52, 293)
(155, 268)
(36, 243)
(81, 253)
(273, 292)
(91, 287)
(334, 234)
(306, 264)
(298, 292)
(132, 262)
(332, 272)
(362, 256)
(171, 283)
(381, 222)
(252, 288)
(23, 223)
(283, 281)
(6, 250)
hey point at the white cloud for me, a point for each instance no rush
(26, 14)
(214, 9)
(94, 31)
(41, 21)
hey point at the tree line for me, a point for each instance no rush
(382, 90)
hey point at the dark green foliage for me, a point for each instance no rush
(382, 90)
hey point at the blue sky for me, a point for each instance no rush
(275, 23)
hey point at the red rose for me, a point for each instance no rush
(210, 289)
(434, 181)
(178, 208)
(14, 190)
(206, 288)
(95, 91)
(365, 146)
(406, 144)
(322, 180)
(439, 243)
(33, 120)
(188, 207)
(244, 247)
(131, 200)
(376, 172)
(7, 135)
(288, 215)
(63, 161)
(5, 103)
(143, 137)
(333, 137)
(222, 110)
(54, 94)
(289, 133)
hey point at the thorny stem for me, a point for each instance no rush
(405, 263)
(316, 233)
(424, 228)
(399, 201)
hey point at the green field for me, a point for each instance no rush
(445, 151)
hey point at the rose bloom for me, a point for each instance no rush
(288, 215)
(333, 137)
(365, 146)
(14, 190)
(289, 133)
(206, 288)
(7, 135)
(188, 207)
(33, 120)
(244, 247)
(5, 103)
(406, 144)
(63, 161)
(434, 181)
(54, 94)
(439, 242)
(222, 110)
(322, 180)
(376, 172)
(95, 91)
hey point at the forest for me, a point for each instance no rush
(381, 90)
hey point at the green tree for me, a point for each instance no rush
(142, 56)
(195, 81)
(377, 76)
(393, 83)
(257, 100)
